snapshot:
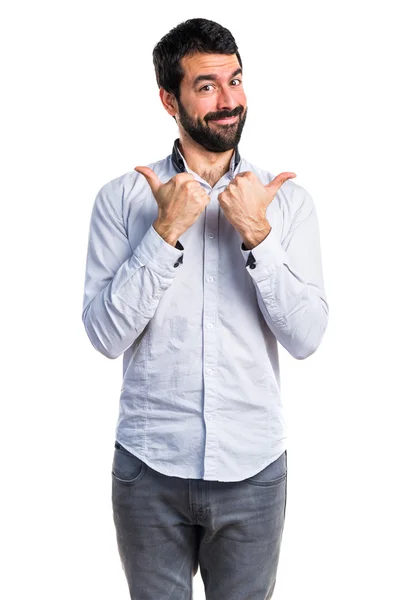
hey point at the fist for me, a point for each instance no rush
(180, 201)
(245, 200)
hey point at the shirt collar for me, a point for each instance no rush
(179, 162)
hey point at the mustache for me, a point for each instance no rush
(224, 114)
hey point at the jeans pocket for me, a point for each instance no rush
(127, 468)
(272, 474)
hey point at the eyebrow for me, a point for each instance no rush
(212, 77)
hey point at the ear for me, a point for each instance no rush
(169, 102)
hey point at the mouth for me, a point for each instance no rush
(225, 120)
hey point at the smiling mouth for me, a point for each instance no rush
(225, 120)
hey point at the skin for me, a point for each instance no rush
(204, 98)
(244, 201)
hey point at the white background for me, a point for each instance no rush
(80, 107)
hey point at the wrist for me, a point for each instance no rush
(251, 239)
(165, 232)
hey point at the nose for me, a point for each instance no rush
(226, 100)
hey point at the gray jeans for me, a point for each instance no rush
(168, 526)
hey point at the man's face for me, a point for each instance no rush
(212, 104)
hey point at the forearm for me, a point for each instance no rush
(296, 313)
(290, 289)
(116, 316)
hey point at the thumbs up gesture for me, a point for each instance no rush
(244, 203)
(180, 202)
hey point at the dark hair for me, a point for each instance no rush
(189, 37)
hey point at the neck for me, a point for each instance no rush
(210, 166)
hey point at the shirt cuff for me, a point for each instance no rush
(154, 252)
(265, 256)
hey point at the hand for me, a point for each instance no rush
(245, 201)
(180, 202)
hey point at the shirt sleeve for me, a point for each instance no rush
(122, 288)
(289, 283)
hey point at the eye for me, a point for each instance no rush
(205, 86)
(239, 81)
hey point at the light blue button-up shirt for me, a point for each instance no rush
(199, 324)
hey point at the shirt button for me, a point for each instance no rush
(211, 235)
(210, 278)
(253, 266)
(209, 416)
(209, 371)
(210, 325)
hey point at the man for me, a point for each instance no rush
(197, 265)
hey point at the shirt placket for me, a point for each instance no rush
(210, 332)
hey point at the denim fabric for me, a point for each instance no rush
(167, 527)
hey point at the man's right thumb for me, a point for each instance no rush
(151, 178)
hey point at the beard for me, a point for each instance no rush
(225, 138)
